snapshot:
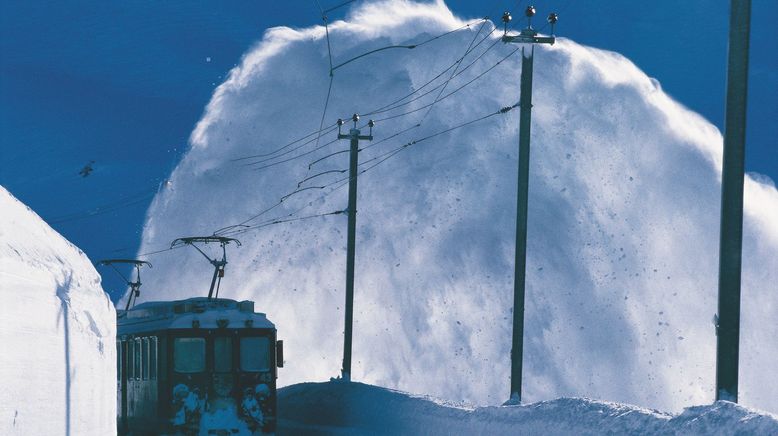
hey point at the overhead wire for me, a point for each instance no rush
(382, 158)
(285, 146)
(294, 157)
(331, 127)
(396, 104)
(483, 73)
(126, 201)
(408, 46)
(388, 117)
(291, 150)
(242, 227)
(445, 84)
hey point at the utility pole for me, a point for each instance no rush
(354, 136)
(731, 236)
(526, 36)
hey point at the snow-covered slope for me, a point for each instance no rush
(57, 332)
(338, 408)
(623, 217)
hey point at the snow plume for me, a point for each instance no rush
(57, 330)
(623, 220)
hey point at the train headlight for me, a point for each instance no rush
(262, 391)
(180, 392)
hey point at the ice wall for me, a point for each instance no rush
(57, 332)
(623, 220)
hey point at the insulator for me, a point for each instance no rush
(530, 11)
(371, 123)
(553, 18)
(355, 118)
(340, 122)
(506, 17)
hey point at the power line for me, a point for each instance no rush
(390, 154)
(445, 84)
(408, 46)
(452, 92)
(332, 127)
(291, 150)
(395, 105)
(127, 201)
(293, 157)
(386, 156)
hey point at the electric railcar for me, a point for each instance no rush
(204, 366)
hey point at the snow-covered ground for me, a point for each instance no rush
(57, 332)
(623, 217)
(339, 408)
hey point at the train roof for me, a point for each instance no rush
(199, 312)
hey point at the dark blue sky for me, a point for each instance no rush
(123, 84)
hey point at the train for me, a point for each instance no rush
(197, 366)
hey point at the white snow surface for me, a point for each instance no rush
(57, 332)
(338, 408)
(623, 219)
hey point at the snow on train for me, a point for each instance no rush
(203, 365)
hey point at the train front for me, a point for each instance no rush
(222, 359)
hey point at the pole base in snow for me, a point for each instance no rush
(514, 400)
(345, 377)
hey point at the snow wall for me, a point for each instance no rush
(57, 332)
(623, 218)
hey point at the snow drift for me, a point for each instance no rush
(353, 408)
(57, 330)
(623, 222)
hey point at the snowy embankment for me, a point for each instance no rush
(57, 330)
(356, 408)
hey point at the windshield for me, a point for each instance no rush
(189, 355)
(254, 354)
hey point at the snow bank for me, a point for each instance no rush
(57, 330)
(623, 218)
(353, 408)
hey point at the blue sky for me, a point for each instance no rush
(123, 84)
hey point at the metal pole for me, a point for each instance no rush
(526, 36)
(731, 242)
(517, 350)
(354, 136)
(350, 248)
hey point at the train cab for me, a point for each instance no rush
(197, 366)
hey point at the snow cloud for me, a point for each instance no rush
(623, 221)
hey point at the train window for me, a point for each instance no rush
(254, 354)
(145, 359)
(138, 357)
(222, 354)
(153, 358)
(189, 355)
(130, 357)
